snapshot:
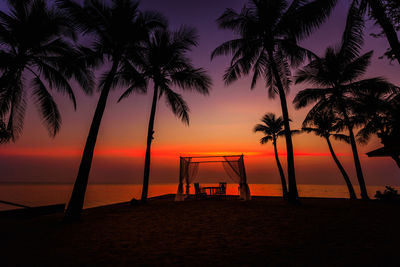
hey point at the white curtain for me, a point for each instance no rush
(234, 166)
(192, 170)
(183, 170)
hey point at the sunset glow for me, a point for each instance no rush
(220, 123)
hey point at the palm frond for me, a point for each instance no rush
(178, 106)
(308, 96)
(47, 107)
(356, 68)
(56, 80)
(265, 139)
(352, 38)
(16, 115)
(341, 137)
(192, 79)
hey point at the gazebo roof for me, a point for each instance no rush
(213, 158)
(385, 151)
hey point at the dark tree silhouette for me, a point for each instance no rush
(327, 124)
(165, 63)
(379, 114)
(337, 76)
(33, 48)
(118, 31)
(267, 33)
(272, 128)
(378, 11)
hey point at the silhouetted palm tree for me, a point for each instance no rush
(165, 63)
(327, 125)
(378, 12)
(267, 33)
(33, 49)
(272, 128)
(337, 77)
(119, 31)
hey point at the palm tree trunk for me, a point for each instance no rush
(360, 175)
(150, 133)
(342, 170)
(397, 159)
(387, 26)
(281, 173)
(75, 204)
(293, 193)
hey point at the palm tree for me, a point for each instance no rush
(327, 124)
(266, 39)
(33, 49)
(118, 31)
(272, 128)
(337, 77)
(165, 63)
(378, 11)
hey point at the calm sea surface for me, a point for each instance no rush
(103, 194)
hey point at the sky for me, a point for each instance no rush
(220, 123)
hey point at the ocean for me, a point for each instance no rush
(104, 194)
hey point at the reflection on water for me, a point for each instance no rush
(101, 194)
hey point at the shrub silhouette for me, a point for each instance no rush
(390, 194)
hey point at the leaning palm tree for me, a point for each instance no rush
(118, 32)
(272, 128)
(266, 39)
(337, 77)
(326, 125)
(165, 63)
(33, 49)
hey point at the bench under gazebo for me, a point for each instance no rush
(232, 164)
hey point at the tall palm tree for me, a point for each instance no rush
(327, 124)
(165, 63)
(272, 128)
(377, 10)
(266, 39)
(33, 48)
(337, 77)
(118, 32)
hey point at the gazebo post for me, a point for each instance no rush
(179, 195)
(246, 189)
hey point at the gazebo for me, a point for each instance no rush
(233, 166)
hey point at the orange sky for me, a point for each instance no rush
(219, 123)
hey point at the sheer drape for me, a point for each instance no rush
(232, 169)
(183, 170)
(192, 170)
(234, 166)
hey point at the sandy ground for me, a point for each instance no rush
(263, 232)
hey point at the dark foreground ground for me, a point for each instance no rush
(262, 232)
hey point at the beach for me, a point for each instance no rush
(263, 231)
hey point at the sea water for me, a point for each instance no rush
(104, 194)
